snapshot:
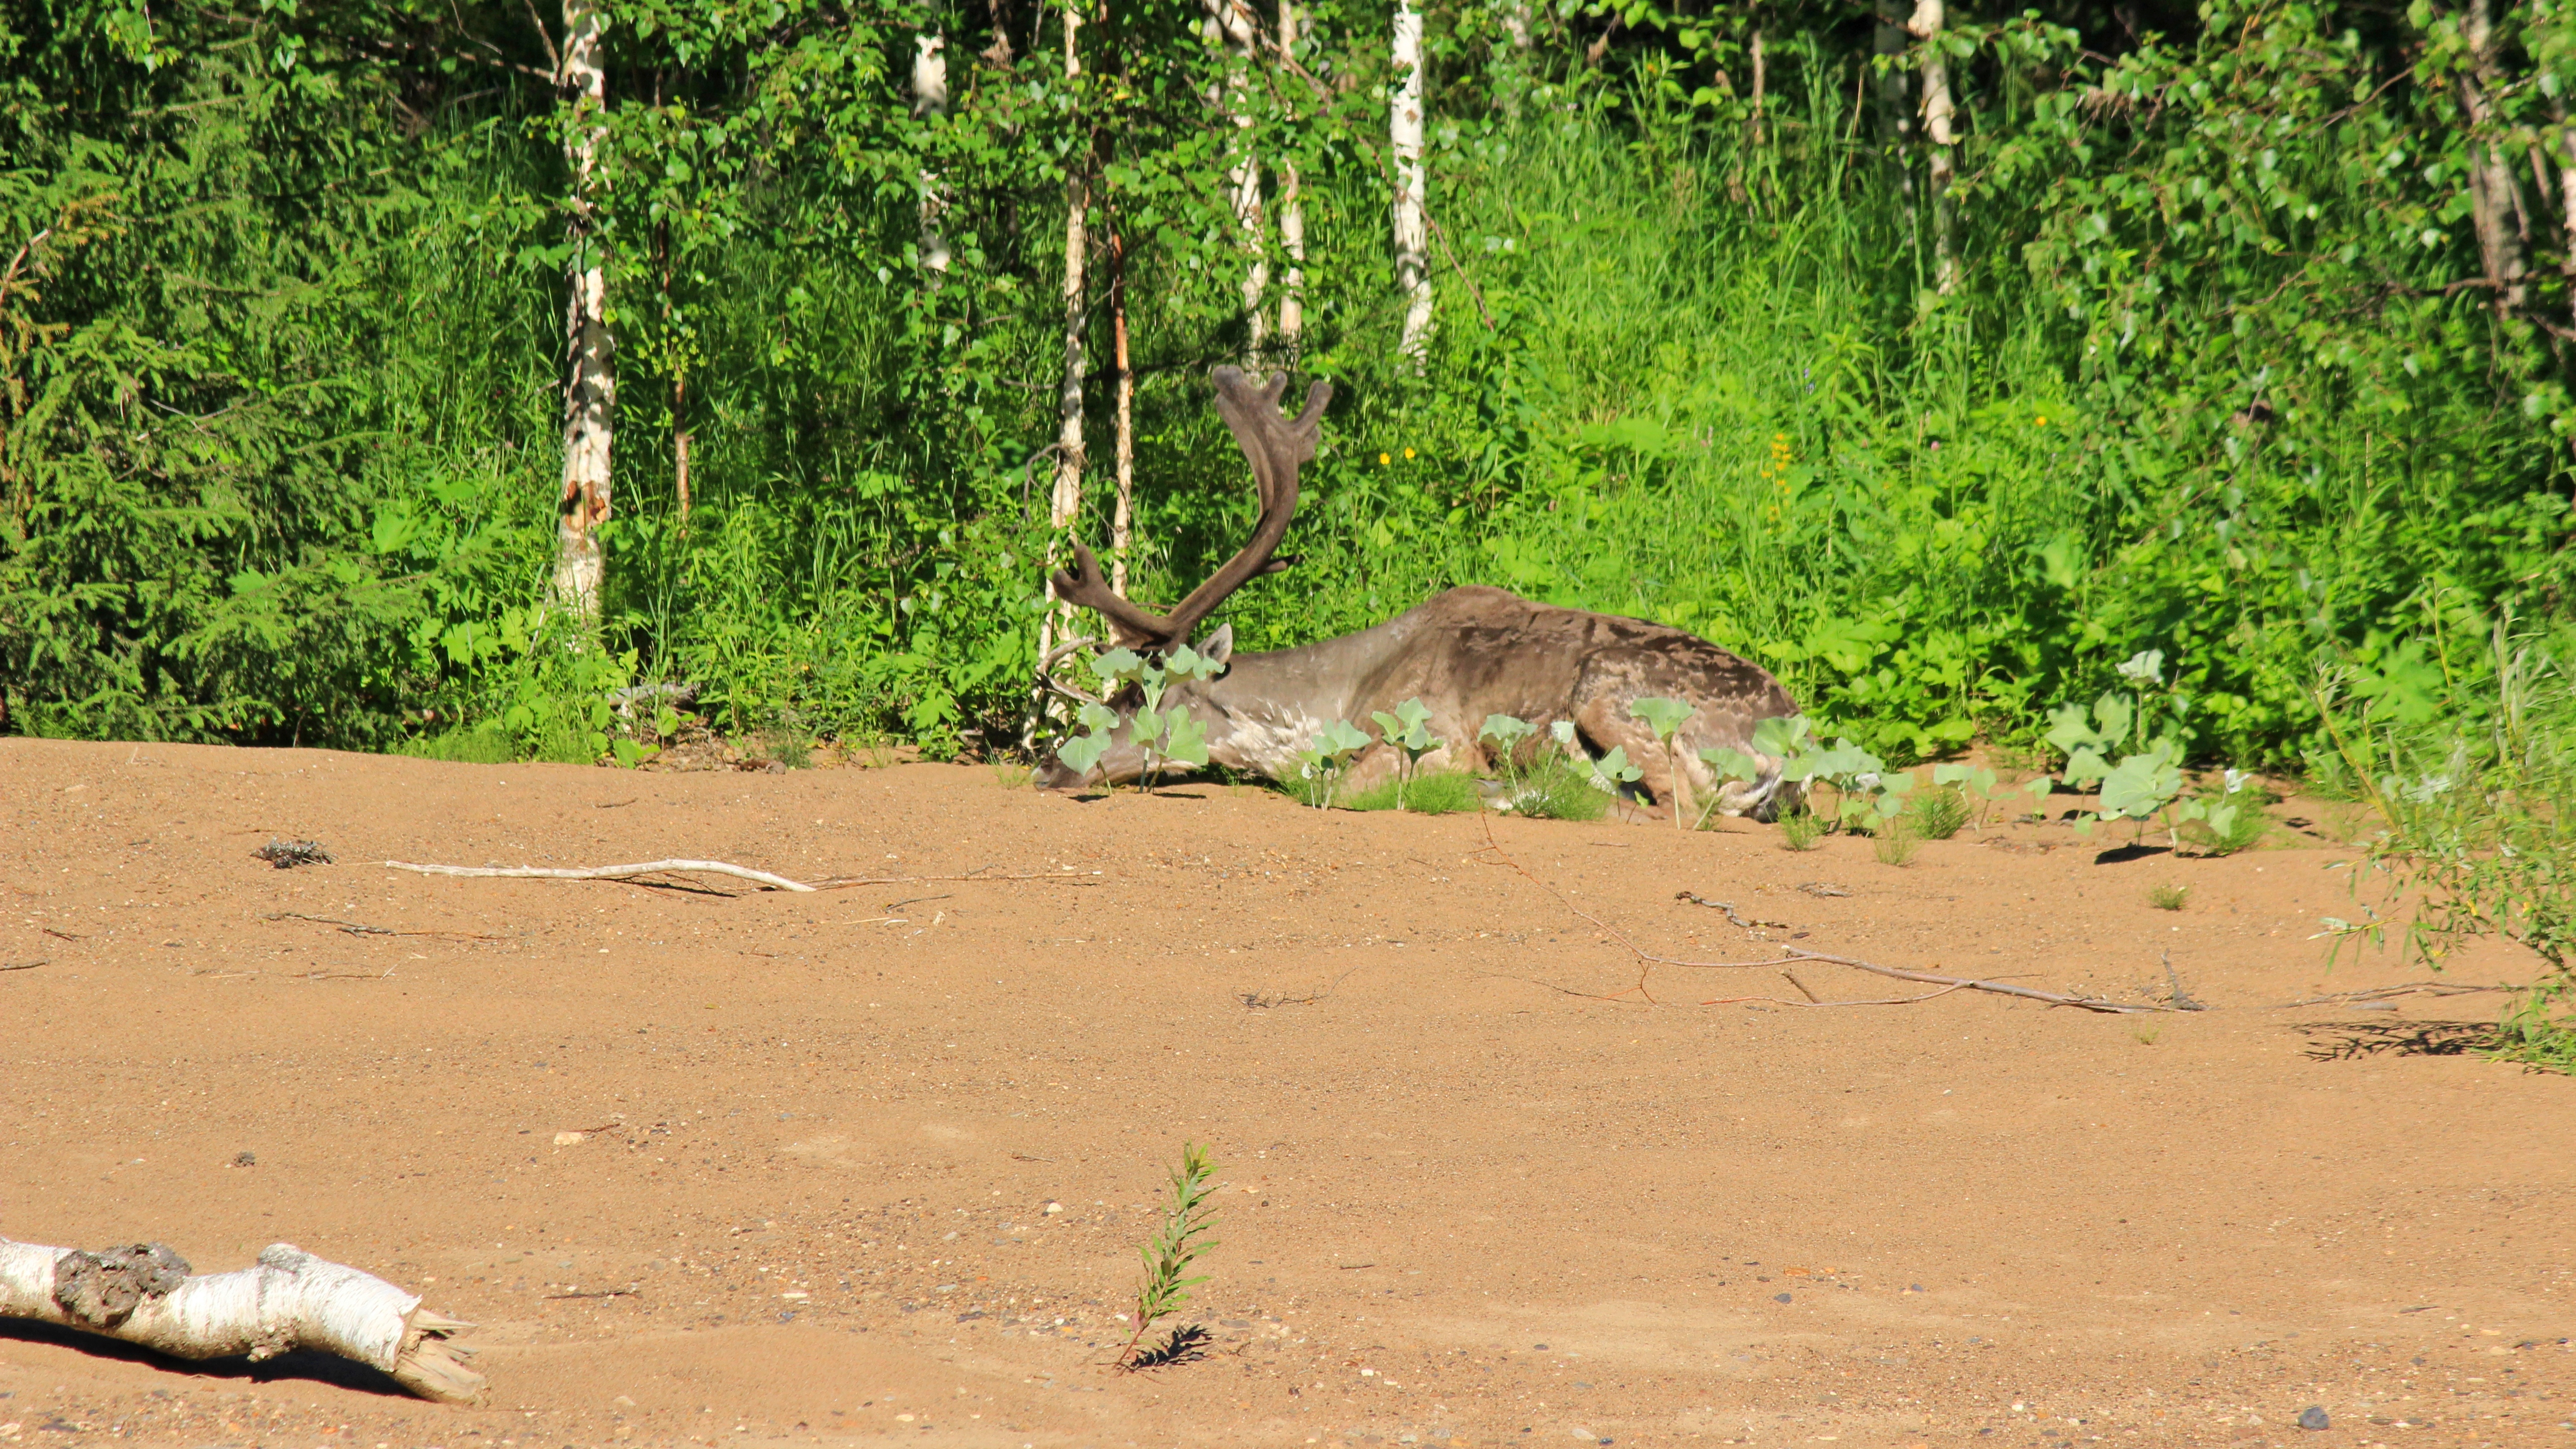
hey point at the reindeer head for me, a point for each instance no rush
(1172, 673)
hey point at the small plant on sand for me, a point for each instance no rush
(2168, 897)
(1168, 1255)
(1321, 765)
(2229, 821)
(1938, 813)
(1665, 717)
(1407, 730)
(2146, 1035)
(1979, 781)
(1553, 788)
(1801, 830)
(1894, 843)
(1505, 733)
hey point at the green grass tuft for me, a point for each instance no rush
(1938, 813)
(1804, 830)
(2168, 897)
(1448, 793)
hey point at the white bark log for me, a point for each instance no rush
(1292, 219)
(590, 380)
(930, 98)
(1234, 25)
(1404, 133)
(1516, 23)
(292, 1300)
(1925, 27)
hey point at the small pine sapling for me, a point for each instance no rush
(1168, 1255)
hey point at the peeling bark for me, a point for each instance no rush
(2495, 202)
(930, 98)
(145, 1295)
(1292, 220)
(1122, 523)
(590, 382)
(1230, 22)
(1404, 132)
(1925, 27)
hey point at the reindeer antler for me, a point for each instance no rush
(1276, 446)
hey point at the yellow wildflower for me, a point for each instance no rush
(1383, 460)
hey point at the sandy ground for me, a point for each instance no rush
(715, 1164)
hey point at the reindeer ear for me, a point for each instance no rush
(1218, 647)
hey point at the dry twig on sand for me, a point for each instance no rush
(2387, 993)
(1647, 961)
(702, 867)
(145, 1295)
(605, 872)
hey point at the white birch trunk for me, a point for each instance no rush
(1230, 21)
(144, 1295)
(1292, 219)
(590, 382)
(1066, 502)
(1516, 23)
(1123, 522)
(1404, 133)
(2495, 202)
(930, 98)
(1925, 27)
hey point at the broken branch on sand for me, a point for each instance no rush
(606, 872)
(2388, 993)
(682, 867)
(1647, 961)
(145, 1295)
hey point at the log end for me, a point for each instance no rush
(432, 1366)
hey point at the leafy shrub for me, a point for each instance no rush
(1555, 789)
(2168, 897)
(1894, 844)
(1801, 830)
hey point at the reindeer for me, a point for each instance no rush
(1466, 654)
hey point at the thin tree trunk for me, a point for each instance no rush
(1926, 28)
(930, 98)
(1122, 523)
(2495, 202)
(1066, 503)
(1895, 115)
(1761, 82)
(2567, 207)
(590, 382)
(1404, 132)
(681, 437)
(1516, 23)
(1229, 21)
(1292, 219)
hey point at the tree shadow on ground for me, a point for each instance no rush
(2344, 1041)
(320, 1368)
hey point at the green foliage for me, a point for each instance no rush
(1665, 717)
(1894, 844)
(2168, 897)
(1979, 781)
(1445, 792)
(2479, 799)
(2223, 375)
(1178, 1243)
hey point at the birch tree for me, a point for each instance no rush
(1404, 134)
(929, 101)
(1292, 216)
(1925, 27)
(1066, 503)
(590, 380)
(2495, 202)
(1230, 23)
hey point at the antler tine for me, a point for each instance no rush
(1275, 446)
(1084, 588)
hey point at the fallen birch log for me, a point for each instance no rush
(603, 872)
(144, 1295)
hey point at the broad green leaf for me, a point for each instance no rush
(1188, 742)
(1563, 732)
(1663, 716)
(1339, 738)
(1100, 719)
(1731, 764)
(1506, 730)
(2114, 714)
(2141, 785)
(1082, 752)
(1146, 728)
(1781, 738)
(1186, 663)
(1613, 770)
(1118, 665)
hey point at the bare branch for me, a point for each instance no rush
(605, 872)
